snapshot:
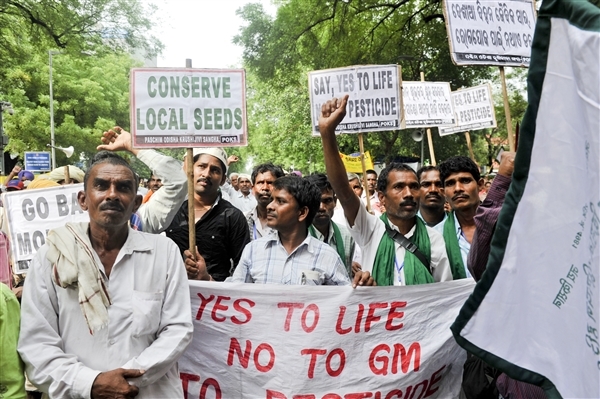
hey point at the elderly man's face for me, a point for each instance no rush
(245, 185)
(110, 196)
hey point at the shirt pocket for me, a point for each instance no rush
(146, 312)
(311, 277)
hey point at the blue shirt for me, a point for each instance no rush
(266, 261)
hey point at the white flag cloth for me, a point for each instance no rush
(292, 342)
(535, 312)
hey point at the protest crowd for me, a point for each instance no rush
(104, 310)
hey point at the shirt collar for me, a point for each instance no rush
(309, 242)
(136, 242)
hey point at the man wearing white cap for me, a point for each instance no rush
(243, 199)
(221, 229)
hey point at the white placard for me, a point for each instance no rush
(188, 107)
(374, 105)
(285, 342)
(427, 104)
(487, 32)
(474, 108)
(32, 213)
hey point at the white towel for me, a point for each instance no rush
(73, 264)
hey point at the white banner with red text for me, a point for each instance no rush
(284, 342)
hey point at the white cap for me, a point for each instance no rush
(216, 152)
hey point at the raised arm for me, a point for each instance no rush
(332, 113)
(158, 213)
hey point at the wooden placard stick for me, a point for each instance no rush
(364, 169)
(511, 141)
(190, 175)
(429, 139)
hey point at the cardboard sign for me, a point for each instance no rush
(427, 104)
(474, 108)
(353, 164)
(285, 342)
(32, 213)
(188, 108)
(488, 32)
(375, 104)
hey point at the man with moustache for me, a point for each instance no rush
(221, 229)
(233, 178)
(371, 192)
(462, 183)
(263, 176)
(398, 189)
(106, 309)
(431, 208)
(324, 229)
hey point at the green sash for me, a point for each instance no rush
(339, 242)
(415, 272)
(453, 249)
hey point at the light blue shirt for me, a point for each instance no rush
(266, 261)
(464, 245)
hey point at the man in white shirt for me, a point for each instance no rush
(398, 190)
(106, 309)
(244, 200)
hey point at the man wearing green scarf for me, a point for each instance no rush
(462, 183)
(398, 191)
(323, 228)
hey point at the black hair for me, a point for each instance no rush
(112, 159)
(320, 180)
(223, 168)
(275, 170)
(304, 192)
(382, 180)
(370, 172)
(424, 169)
(458, 164)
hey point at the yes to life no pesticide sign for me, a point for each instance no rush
(291, 342)
(374, 105)
(474, 108)
(188, 107)
(32, 213)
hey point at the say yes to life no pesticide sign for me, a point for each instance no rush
(375, 104)
(427, 104)
(32, 213)
(474, 110)
(298, 342)
(487, 32)
(188, 107)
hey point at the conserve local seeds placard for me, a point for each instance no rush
(188, 107)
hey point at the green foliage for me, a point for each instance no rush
(314, 35)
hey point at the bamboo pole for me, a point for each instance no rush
(471, 153)
(190, 175)
(361, 147)
(511, 141)
(429, 138)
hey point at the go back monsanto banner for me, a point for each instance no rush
(284, 342)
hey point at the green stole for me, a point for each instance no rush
(453, 249)
(339, 242)
(415, 272)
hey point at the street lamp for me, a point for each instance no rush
(4, 106)
(52, 143)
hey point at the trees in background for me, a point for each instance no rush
(93, 40)
(311, 35)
